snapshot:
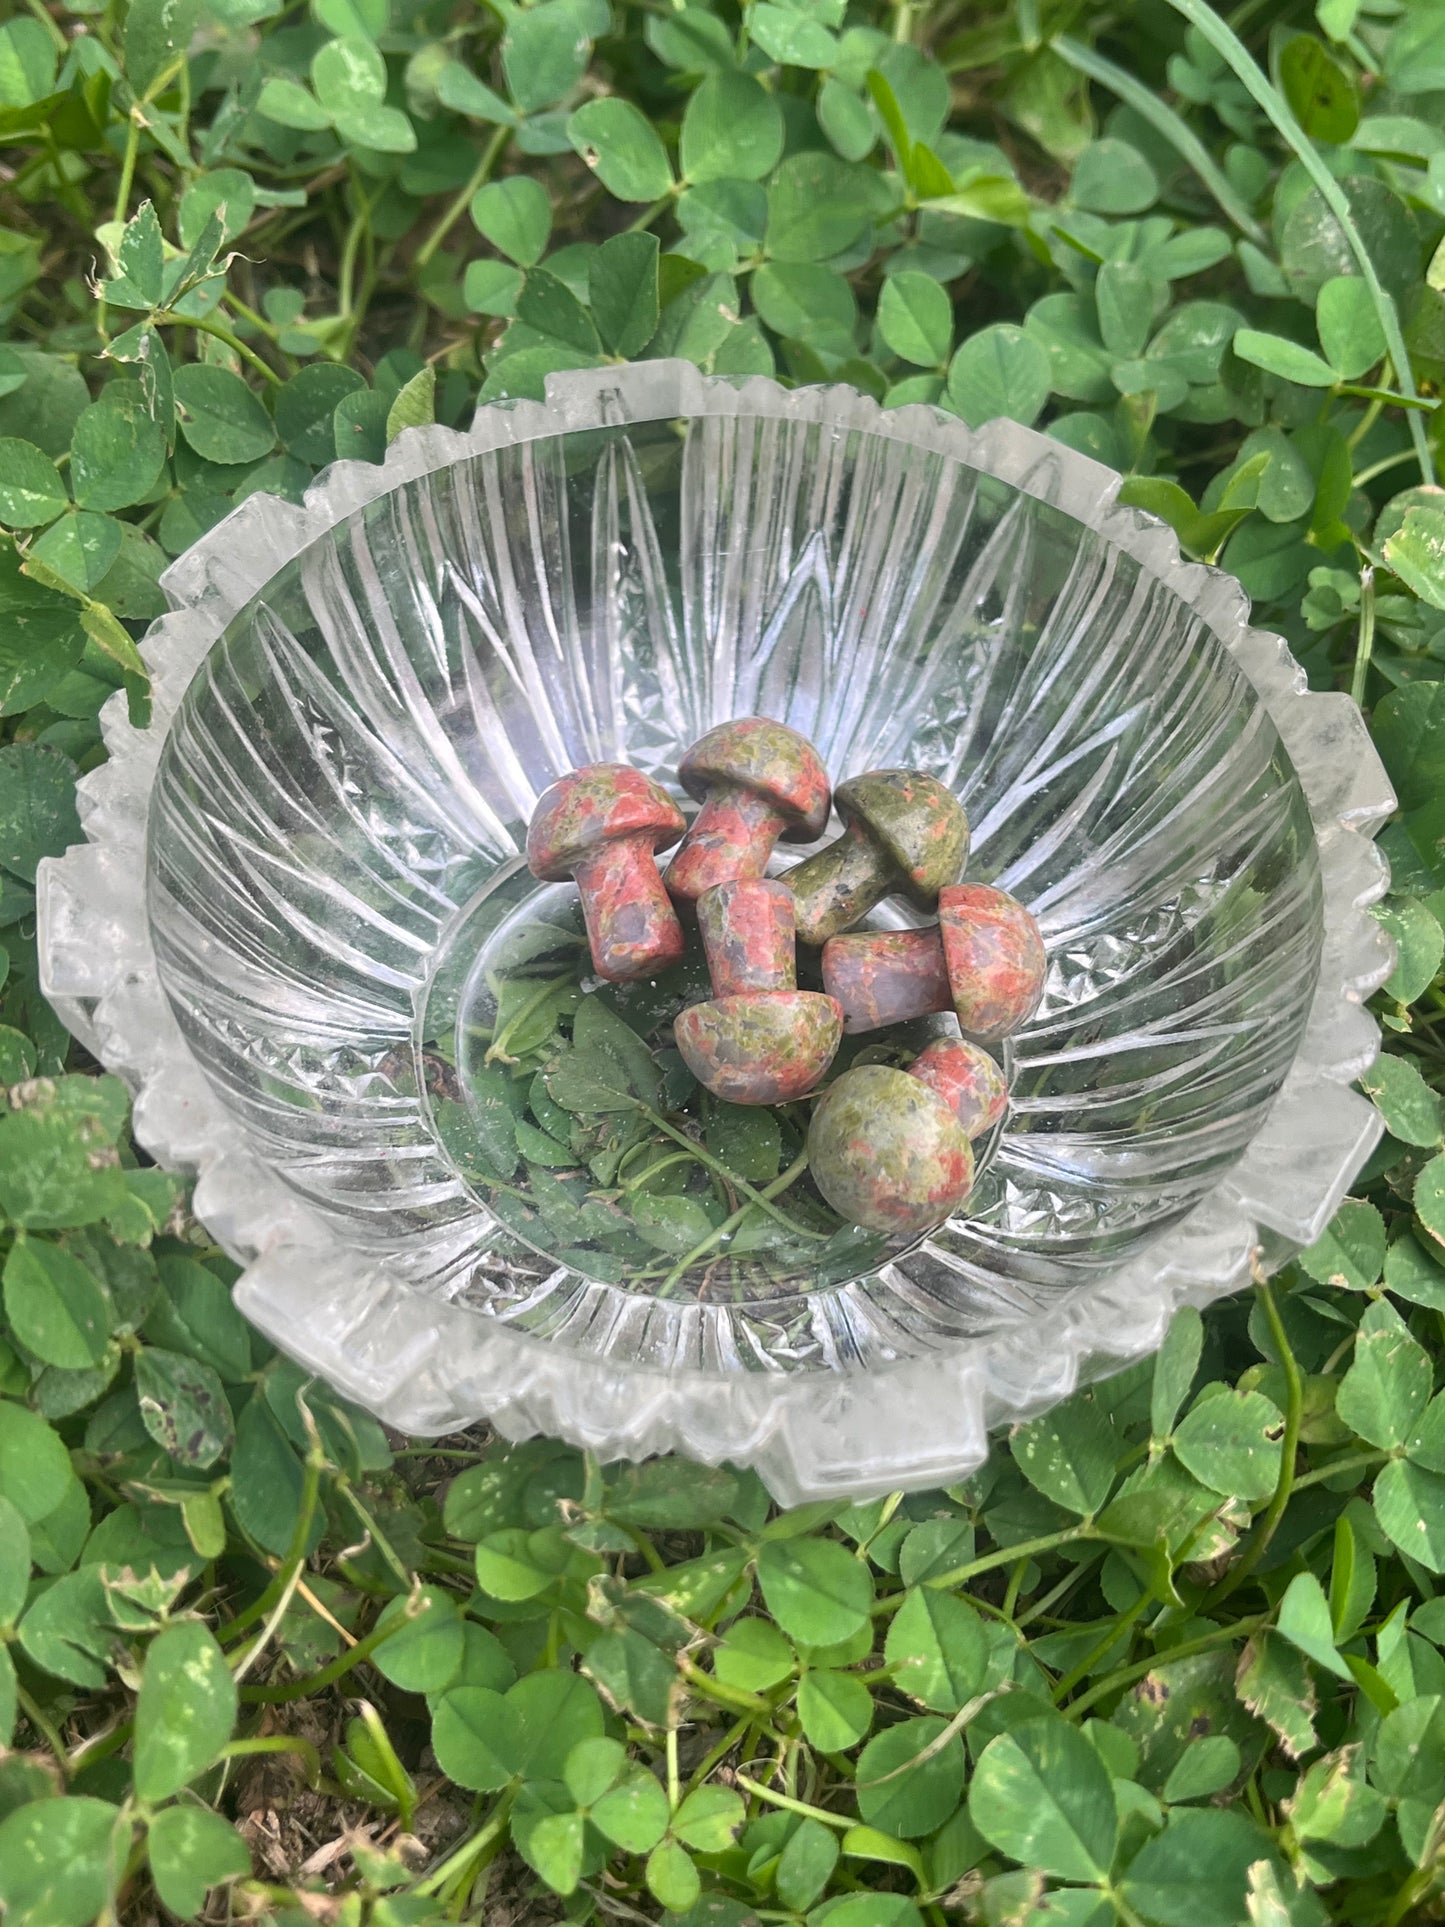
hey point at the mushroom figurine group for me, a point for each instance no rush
(891, 1150)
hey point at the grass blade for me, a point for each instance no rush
(1267, 96)
(1163, 119)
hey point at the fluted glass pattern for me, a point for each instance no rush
(356, 730)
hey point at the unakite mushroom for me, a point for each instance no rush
(968, 1080)
(757, 780)
(984, 960)
(601, 824)
(760, 1040)
(887, 1152)
(905, 835)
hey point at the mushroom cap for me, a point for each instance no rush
(761, 1047)
(593, 806)
(756, 753)
(970, 1082)
(887, 1152)
(917, 823)
(995, 956)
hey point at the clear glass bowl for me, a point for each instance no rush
(303, 880)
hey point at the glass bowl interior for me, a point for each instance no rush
(335, 891)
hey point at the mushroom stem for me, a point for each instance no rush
(759, 1040)
(631, 924)
(747, 932)
(837, 886)
(732, 837)
(887, 976)
(984, 960)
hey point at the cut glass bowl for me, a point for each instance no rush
(303, 878)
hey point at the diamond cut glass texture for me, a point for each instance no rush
(357, 706)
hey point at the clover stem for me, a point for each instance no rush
(183, 79)
(1413, 1888)
(245, 1661)
(249, 314)
(1363, 426)
(650, 214)
(300, 1689)
(1353, 1461)
(662, 1164)
(43, 15)
(487, 1183)
(839, 1820)
(749, 1191)
(1126, 1675)
(89, 1752)
(719, 1752)
(1383, 467)
(36, 1716)
(470, 1850)
(481, 174)
(1365, 646)
(127, 167)
(1040, 1607)
(1289, 1446)
(368, 1525)
(1124, 1910)
(295, 1559)
(655, 1560)
(279, 1743)
(1026, 1549)
(734, 1698)
(779, 1184)
(348, 257)
(204, 325)
(1120, 1624)
(1015, 1587)
(539, 996)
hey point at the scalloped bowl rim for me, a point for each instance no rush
(429, 1366)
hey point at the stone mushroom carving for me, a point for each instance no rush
(905, 834)
(602, 825)
(886, 1159)
(888, 1152)
(757, 780)
(760, 1040)
(967, 1079)
(984, 960)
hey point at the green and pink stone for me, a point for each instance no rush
(757, 781)
(905, 834)
(984, 960)
(892, 1150)
(759, 1040)
(968, 1080)
(602, 825)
